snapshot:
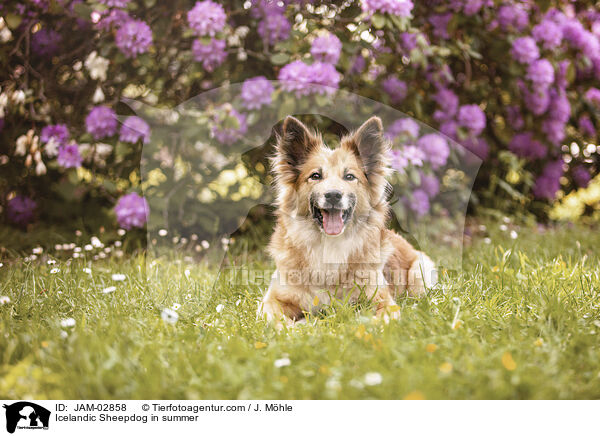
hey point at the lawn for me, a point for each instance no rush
(520, 322)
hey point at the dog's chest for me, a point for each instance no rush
(330, 254)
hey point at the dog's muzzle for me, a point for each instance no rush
(330, 214)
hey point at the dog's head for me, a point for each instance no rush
(335, 188)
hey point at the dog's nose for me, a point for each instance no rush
(333, 197)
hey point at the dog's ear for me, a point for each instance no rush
(293, 147)
(369, 144)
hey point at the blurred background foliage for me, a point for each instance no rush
(514, 82)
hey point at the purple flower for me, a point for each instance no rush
(440, 25)
(132, 211)
(297, 77)
(133, 129)
(419, 203)
(429, 184)
(472, 117)
(56, 132)
(133, 38)
(274, 27)
(401, 8)
(20, 210)
(408, 41)
(435, 148)
(589, 45)
(581, 176)
(358, 65)
(448, 103)
(554, 130)
(206, 18)
(45, 42)
(115, 3)
(541, 73)
(515, 117)
(68, 156)
(326, 48)
(325, 75)
(471, 7)
(114, 17)
(525, 50)
(211, 54)
(449, 128)
(478, 146)
(256, 92)
(587, 126)
(548, 183)
(403, 127)
(524, 145)
(561, 107)
(101, 122)
(593, 96)
(548, 33)
(395, 88)
(512, 16)
(406, 156)
(229, 126)
(537, 101)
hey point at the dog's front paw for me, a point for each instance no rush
(271, 311)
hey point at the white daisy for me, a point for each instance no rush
(67, 322)
(373, 378)
(280, 363)
(220, 308)
(109, 290)
(4, 299)
(54, 270)
(118, 277)
(169, 316)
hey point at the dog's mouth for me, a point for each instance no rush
(331, 220)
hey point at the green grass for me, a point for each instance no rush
(529, 322)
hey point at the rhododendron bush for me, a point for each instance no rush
(517, 83)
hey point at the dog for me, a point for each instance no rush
(330, 239)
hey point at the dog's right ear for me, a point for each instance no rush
(293, 147)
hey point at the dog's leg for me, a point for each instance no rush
(422, 275)
(381, 293)
(278, 308)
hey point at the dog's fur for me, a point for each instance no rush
(315, 260)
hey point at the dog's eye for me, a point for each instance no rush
(349, 177)
(315, 176)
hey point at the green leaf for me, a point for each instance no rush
(414, 176)
(280, 58)
(12, 20)
(286, 108)
(378, 21)
(83, 10)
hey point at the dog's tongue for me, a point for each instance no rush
(332, 221)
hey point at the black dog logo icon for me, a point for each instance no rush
(26, 415)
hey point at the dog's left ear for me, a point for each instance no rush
(370, 146)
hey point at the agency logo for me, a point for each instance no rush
(26, 415)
